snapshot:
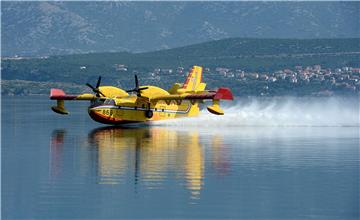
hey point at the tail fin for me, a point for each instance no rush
(193, 80)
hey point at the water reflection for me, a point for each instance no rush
(55, 152)
(111, 153)
(153, 154)
(150, 158)
(220, 157)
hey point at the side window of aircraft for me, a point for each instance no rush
(97, 102)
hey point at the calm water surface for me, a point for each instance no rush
(62, 167)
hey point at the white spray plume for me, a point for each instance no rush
(277, 112)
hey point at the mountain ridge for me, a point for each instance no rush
(51, 28)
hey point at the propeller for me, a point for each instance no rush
(96, 89)
(137, 89)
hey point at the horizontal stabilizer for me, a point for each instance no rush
(223, 93)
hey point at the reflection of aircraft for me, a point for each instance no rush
(111, 105)
(56, 149)
(152, 152)
(149, 156)
(220, 155)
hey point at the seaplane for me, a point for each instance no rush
(146, 104)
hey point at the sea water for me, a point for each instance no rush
(274, 158)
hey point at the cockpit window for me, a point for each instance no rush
(97, 102)
(109, 102)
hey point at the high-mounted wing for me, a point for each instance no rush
(100, 92)
(221, 94)
(59, 94)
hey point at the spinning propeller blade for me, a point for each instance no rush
(96, 89)
(137, 89)
(98, 82)
(136, 82)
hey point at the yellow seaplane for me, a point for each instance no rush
(112, 105)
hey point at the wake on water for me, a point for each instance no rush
(278, 112)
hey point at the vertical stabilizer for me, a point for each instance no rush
(193, 79)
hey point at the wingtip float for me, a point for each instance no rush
(111, 105)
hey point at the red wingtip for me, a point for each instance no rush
(59, 94)
(56, 92)
(224, 93)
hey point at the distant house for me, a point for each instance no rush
(355, 70)
(317, 68)
(272, 79)
(254, 75)
(293, 79)
(298, 68)
(288, 71)
(120, 67)
(222, 71)
(180, 69)
(167, 71)
(263, 77)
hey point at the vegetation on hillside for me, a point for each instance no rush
(22, 87)
(252, 55)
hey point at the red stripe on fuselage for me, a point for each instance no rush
(108, 120)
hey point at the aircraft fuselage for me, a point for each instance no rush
(110, 113)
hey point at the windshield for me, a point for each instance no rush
(109, 102)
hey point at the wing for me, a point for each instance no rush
(221, 94)
(60, 96)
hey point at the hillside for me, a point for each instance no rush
(249, 55)
(31, 28)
